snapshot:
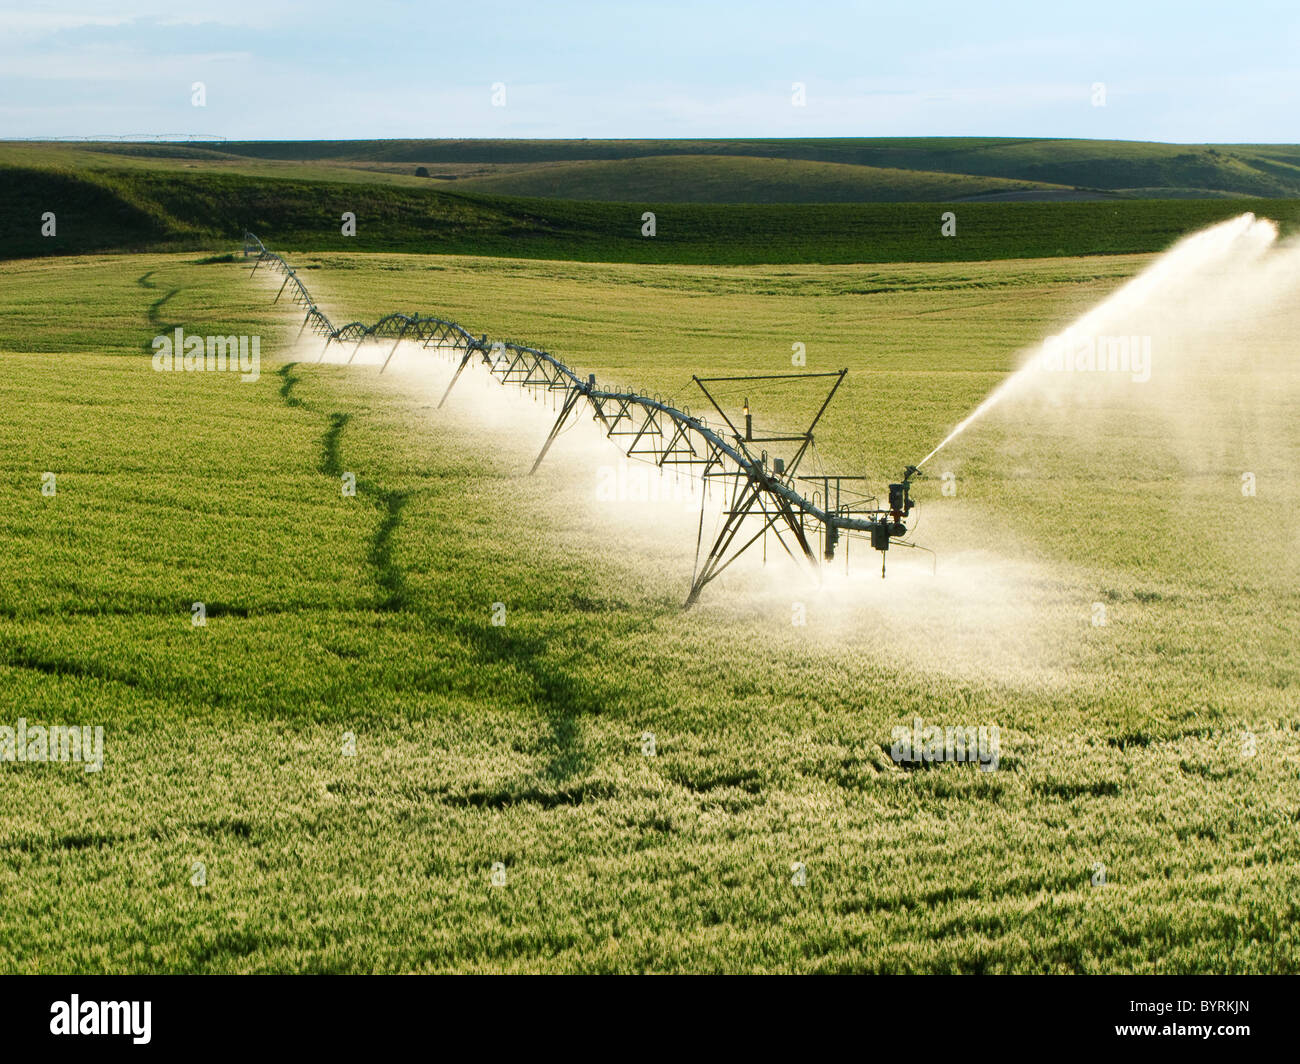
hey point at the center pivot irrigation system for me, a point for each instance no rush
(650, 430)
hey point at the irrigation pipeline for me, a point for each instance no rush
(658, 432)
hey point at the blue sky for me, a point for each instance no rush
(1172, 71)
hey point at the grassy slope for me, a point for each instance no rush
(1250, 170)
(521, 744)
(105, 159)
(146, 208)
(727, 179)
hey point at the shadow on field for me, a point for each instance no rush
(152, 315)
(331, 463)
(388, 574)
(286, 373)
(562, 695)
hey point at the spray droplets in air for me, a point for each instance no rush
(1230, 272)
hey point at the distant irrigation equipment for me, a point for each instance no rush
(756, 488)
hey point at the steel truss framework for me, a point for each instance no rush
(648, 429)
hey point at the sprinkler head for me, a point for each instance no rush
(832, 537)
(900, 501)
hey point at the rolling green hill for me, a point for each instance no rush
(1117, 166)
(137, 209)
(745, 179)
(727, 171)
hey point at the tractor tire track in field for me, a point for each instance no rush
(390, 576)
(563, 695)
(152, 314)
(286, 388)
(15, 655)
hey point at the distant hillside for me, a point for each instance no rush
(143, 208)
(744, 179)
(1121, 167)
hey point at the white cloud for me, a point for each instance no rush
(40, 22)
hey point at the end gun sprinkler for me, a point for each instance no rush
(890, 522)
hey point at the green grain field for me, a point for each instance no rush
(364, 622)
